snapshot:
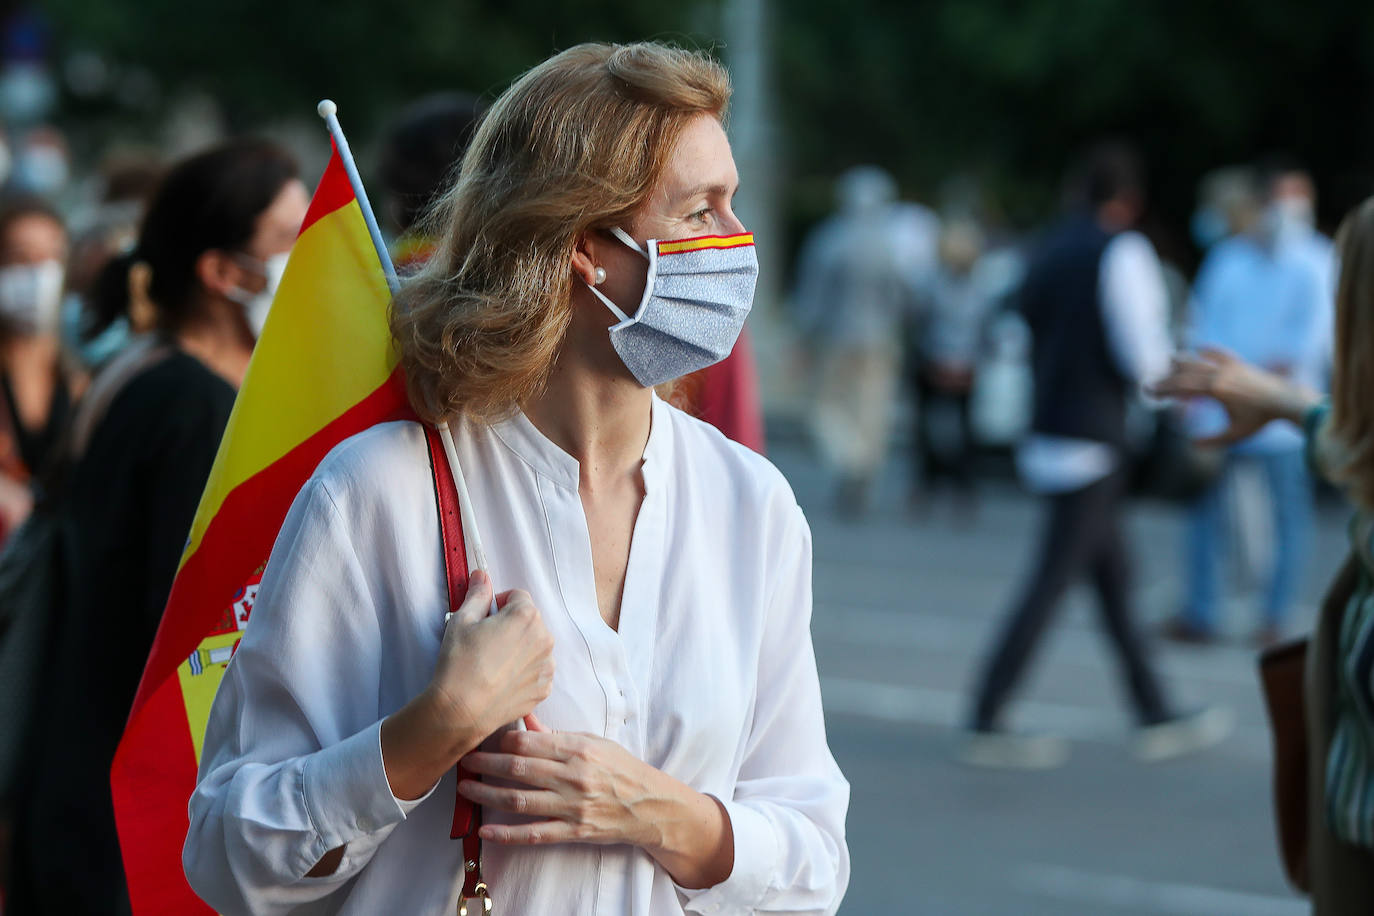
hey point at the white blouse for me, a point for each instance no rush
(710, 678)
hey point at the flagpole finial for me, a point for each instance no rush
(327, 109)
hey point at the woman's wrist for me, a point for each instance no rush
(1295, 402)
(692, 838)
(421, 741)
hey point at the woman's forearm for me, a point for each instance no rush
(420, 745)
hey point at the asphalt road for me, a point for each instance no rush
(904, 611)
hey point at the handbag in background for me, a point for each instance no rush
(1283, 671)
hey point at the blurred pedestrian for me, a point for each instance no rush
(1339, 690)
(1095, 301)
(35, 387)
(1292, 214)
(859, 280)
(960, 302)
(1258, 299)
(215, 223)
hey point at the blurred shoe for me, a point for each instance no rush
(1185, 734)
(1179, 629)
(1003, 750)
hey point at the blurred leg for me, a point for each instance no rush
(1206, 534)
(1291, 491)
(1066, 548)
(927, 460)
(963, 468)
(1111, 577)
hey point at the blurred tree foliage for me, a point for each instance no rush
(265, 57)
(1008, 90)
(1000, 91)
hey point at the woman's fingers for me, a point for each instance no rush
(541, 833)
(533, 724)
(1218, 356)
(477, 601)
(530, 771)
(531, 802)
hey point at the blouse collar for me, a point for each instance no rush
(521, 436)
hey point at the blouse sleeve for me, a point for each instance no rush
(292, 762)
(789, 803)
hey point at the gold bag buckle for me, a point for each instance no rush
(482, 895)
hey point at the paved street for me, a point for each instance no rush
(904, 610)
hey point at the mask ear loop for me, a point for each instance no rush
(615, 309)
(628, 240)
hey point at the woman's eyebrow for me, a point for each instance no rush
(709, 188)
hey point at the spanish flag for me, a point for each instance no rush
(323, 370)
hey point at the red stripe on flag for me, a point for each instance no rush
(155, 755)
(334, 191)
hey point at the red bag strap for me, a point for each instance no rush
(467, 817)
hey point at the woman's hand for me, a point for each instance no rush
(1251, 396)
(491, 671)
(583, 788)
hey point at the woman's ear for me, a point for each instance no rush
(217, 272)
(585, 261)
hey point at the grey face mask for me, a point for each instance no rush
(696, 297)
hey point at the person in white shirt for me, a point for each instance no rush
(677, 761)
(1095, 301)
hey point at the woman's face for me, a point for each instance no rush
(693, 198)
(274, 233)
(33, 239)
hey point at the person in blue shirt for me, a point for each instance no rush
(1258, 299)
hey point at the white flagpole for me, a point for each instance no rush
(329, 111)
(478, 557)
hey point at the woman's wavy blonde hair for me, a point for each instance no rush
(576, 144)
(1352, 375)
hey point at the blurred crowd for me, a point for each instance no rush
(917, 326)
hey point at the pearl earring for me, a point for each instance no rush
(599, 276)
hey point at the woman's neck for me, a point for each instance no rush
(600, 419)
(219, 338)
(31, 352)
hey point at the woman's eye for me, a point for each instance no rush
(701, 215)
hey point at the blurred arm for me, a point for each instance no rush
(1135, 307)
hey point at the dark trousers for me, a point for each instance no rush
(1082, 536)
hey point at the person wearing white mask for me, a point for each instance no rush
(35, 393)
(674, 757)
(1293, 217)
(129, 497)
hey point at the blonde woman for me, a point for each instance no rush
(1340, 681)
(676, 761)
